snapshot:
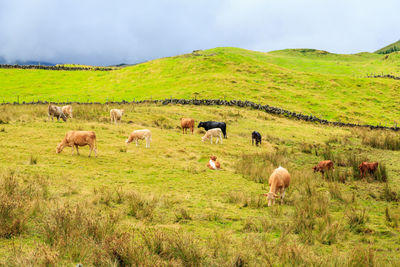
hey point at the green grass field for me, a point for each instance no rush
(330, 86)
(162, 206)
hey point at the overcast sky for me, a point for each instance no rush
(110, 32)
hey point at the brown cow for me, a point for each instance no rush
(323, 166)
(367, 167)
(213, 164)
(187, 123)
(78, 138)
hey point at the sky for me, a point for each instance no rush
(97, 32)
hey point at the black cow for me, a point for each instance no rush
(207, 125)
(255, 136)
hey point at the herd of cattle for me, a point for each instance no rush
(278, 181)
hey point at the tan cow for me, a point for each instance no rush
(187, 123)
(67, 110)
(116, 115)
(78, 138)
(139, 134)
(216, 132)
(278, 182)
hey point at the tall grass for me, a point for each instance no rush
(258, 166)
(381, 139)
(20, 198)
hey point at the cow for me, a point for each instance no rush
(78, 138)
(55, 111)
(367, 167)
(67, 110)
(216, 132)
(207, 125)
(255, 137)
(116, 115)
(213, 164)
(187, 123)
(323, 166)
(139, 134)
(278, 182)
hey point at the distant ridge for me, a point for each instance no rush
(389, 49)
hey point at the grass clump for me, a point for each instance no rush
(19, 200)
(258, 166)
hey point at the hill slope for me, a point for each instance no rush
(137, 206)
(302, 80)
(389, 48)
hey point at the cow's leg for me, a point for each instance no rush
(191, 129)
(90, 150)
(72, 150)
(220, 138)
(282, 195)
(252, 141)
(210, 139)
(136, 142)
(77, 149)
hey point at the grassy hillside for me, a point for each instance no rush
(395, 47)
(302, 80)
(161, 205)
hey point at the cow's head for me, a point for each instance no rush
(204, 138)
(271, 198)
(214, 158)
(59, 148)
(122, 112)
(63, 117)
(315, 168)
(201, 124)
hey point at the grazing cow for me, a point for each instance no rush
(213, 164)
(278, 182)
(207, 125)
(55, 111)
(187, 123)
(216, 132)
(116, 115)
(139, 134)
(67, 110)
(323, 166)
(367, 167)
(78, 138)
(255, 136)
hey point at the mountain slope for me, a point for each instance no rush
(327, 85)
(390, 48)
